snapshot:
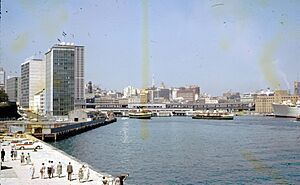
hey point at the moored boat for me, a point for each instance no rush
(140, 114)
(214, 115)
(286, 109)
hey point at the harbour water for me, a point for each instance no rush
(180, 150)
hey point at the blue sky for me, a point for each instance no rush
(218, 45)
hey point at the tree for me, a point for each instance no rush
(3, 96)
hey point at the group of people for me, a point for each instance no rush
(50, 169)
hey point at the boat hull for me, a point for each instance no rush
(281, 110)
(213, 117)
(140, 116)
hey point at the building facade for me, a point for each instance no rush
(189, 94)
(296, 88)
(263, 103)
(13, 89)
(32, 81)
(64, 79)
(39, 102)
(2, 78)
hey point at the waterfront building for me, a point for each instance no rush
(13, 89)
(263, 103)
(189, 94)
(39, 102)
(64, 79)
(2, 79)
(296, 88)
(130, 91)
(144, 96)
(32, 81)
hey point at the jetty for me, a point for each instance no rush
(13, 172)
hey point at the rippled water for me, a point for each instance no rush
(180, 150)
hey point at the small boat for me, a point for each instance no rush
(298, 118)
(214, 115)
(140, 114)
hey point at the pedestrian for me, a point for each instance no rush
(22, 158)
(59, 169)
(28, 160)
(87, 176)
(12, 154)
(123, 178)
(49, 169)
(15, 154)
(42, 171)
(52, 169)
(32, 171)
(69, 171)
(80, 173)
(104, 180)
(117, 180)
(2, 155)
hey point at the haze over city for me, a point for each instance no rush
(218, 45)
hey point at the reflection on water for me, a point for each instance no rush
(179, 150)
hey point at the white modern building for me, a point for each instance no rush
(39, 102)
(13, 89)
(64, 79)
(32, 81)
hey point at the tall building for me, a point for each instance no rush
(32, 81)
(296, 88)
(13, 89)
(2, 78)
(64, 79)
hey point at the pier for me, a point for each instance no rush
(15, 173)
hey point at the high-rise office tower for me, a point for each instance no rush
(13, 89)
(64, 79)
(32, 81)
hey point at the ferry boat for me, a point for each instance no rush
(213, 115)
(140, 114)
(286, 109)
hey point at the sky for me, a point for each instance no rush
(219, 45)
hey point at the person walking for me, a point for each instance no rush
(22, 158)
(28, 160)
(87, 171)
(69, 171)
(42, 171)
(32, 171)
(52, 169)
(49, 169)
(12, 154)
(59, 169)
(104, 181)
(15, 154)
(2, 155)
(80, 174)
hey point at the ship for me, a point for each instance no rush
(213, 115)
(140, 114)
(286, 109)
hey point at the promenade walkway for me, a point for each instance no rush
(19, 174)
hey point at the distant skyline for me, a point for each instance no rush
(217, 45)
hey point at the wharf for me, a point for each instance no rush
(53, 131)
(19, 174)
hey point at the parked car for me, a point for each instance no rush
(27, 144)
